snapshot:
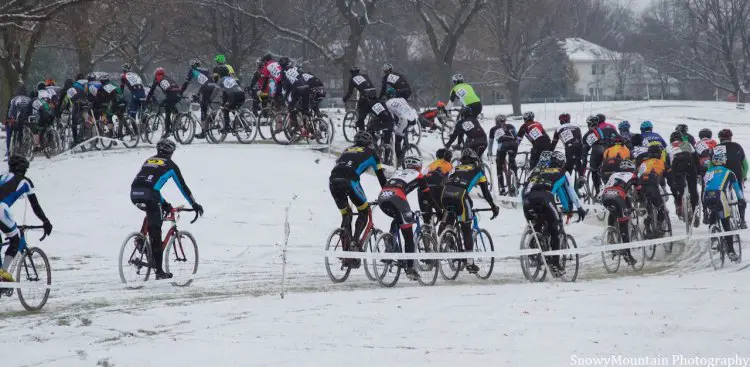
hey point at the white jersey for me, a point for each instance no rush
(399, 108)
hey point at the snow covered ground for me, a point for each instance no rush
(232, 315)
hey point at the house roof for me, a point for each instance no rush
(578, 49)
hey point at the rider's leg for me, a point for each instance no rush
(363, 109)
(500, 161)
(154, 219)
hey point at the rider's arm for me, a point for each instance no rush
(486, 192)
(350, 90)
(37, 208)
(151, 90)
(491, 139)
(555, 138)
(180, 182)
(574, 200)
(736, 186)
(383, 86)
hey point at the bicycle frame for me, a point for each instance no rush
(172, 216)
(22, 246)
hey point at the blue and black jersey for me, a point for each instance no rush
(155, 172)
(467, 176)
(201, 76)
(650, 137)
(354, 161)
(720, 178)
(557, 182)
(13, 187)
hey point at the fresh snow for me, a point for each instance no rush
(232, 315)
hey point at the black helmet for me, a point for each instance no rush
(266, 58)
(500, 119)
(682, 128)
(592, 121)
(655, 151)
(195, 63)
(354, 70)
(125, 67)
(469, 155)
(705, 134)
(444, 154)
(285, 63)
(18, 164)
(363, 139)
(601, 117)
(92, 76)
(557, 160)
(725, 134)
(165, 148)
(528, 116)
(41, 86)
(564, 118)
(675, 136)
(387, 67)
(636, 140)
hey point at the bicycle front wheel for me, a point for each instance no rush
(52, 143)
(184, 128)
(130, 135)
(532, 266)
(349, 126)
(391, 271)
(181, 257)
(244, 127)
(449, 243)
(611, 259)
(483, 243)
(33, 268)
(427, 269)
(214, 130)
(569, 263)
(716, 249)
(337, 270)
(134, 259)
(323, 131)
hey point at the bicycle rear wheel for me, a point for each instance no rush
(391, 270)
(214, 127)
(130, 134)
(105, 136)
(449, 243)
(372, 273)
(716, 249)
(414, 133)
(483, 243)
(569, 263)
(532, 266)
(448, 128)
(134, 259)
(263, 123)
(154, 124)
(52, 143)
(337, 270)
(611, 259)
(33, 268)
(181, 258)
(285, 134)
(638, 253)
(349, 125)
(323, 130)
(427, 269)
(244, 127)
(183, 128)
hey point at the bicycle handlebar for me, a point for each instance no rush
(26, 228)
(183, 209)
(481, 210)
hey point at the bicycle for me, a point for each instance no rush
(137, 256)
(452, 241)
(687, 214)
(485, 168)
(534, 267)
(307, 127)
(391, 243)
(387, 151)
(50, 142)
(369, 234)
(183, 125)
(349, 123)
(30, 265)
(22, 140)
(269, 118)
(717, 248)
(612, 235)
(652, 229)
(449, 124)
(241, 126)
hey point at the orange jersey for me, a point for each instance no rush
(437, 172)
(652, 166)
(620, 151)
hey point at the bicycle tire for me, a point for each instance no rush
(371, 274)
(568, 242)
(51, 143)
(640, 260)
(135, 260)
(341, 233)
(411, 150)
(179, 250)
(414, 133)
(539, 272)
(244, 127)
(427, 269)
(285, 135)
(349, 125)
(716, 248)
(130, 134)
(447, 131)
(449, 243)
(390, 266)
(484, 235)
(214, 133)
(610, 237)
(27, 263)
(263, 123)
(183, 128)
(105, 134)
(324, 131)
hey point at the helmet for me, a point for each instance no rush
(259, 63)
(636, 140)
(601, 118)
(646, 126)
(441, 104)
(390, 92)
(104, 78)
(159, 72)
(387, 68)
(725, 134)
(354, 70)
(528, 116)
(413, 163)
(49, 82)
(705, 134)
(41, 86)
(18, 164)
(654, 151)
(457, 79)
(623, 126)
(618, 139)
(627, 165)
(195, 63)
(719, 159)
(91, 77)
(557, 160)
(266, 58)
(220, 59)
(285, 63)
(165, 148)
(500, 119)
(126, 67)
(363, 139)
(682, 128)
(544, 159)
(444, 154)
(564, 118)
(469, 155)
(675, 136)
(592, 121)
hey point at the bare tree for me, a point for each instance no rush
(621, 65)
(16, 49)
(23, 14)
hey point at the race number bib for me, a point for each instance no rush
(720, 149)
(673, 151)
(621, 176)
(72, 92)
(392, 78)
(292, 75)
(535, 133)
(275, 70)
(164, 84)
(359, 79)
(378, 108)
(202, 79)
(467, 125)
(406, 176)
(229, 83)
(701, 147)
(591, 139)
(109, 88)
(37, 105)
(461, 93)
(566, 136)
(307, 77)
(133, 79)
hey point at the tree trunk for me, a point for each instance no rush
(443, 79)
(514, 89)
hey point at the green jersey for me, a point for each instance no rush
(464, 93)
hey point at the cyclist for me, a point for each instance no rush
(232, 98)
(317, 90)
(639, 151)
(45, 116)
(624, 129)
(403, 116)
(222, 69)
(704, 148)
(394, 80)
(13, 185)
(476, 138)
(736, 160)
(539, 193)
(616, 198)
(134, 83)
(392, 200)
(683, 130)
(457, 203)
(55, 92)
(464, 94)
(254, 88)
(534, 131)
(108, 99)
(19, 110)
(171, 96)
(207, 86)
(651, 172)
(683, 160)
(600, 136)
(296, 89)
(573, 141)
(436, 174)
(613, 158)
(507, 145)
(385, 123)
(344, 184)
(76, 97)
(145, 194)
(719, 179)
(650, 137)
(367, 95)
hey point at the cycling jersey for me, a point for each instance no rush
(622, 179)
(154, 173)
(467, 176)
(535, 133)
(401, 109)
(404, 181)
(363, 84)
(736, 160)
(13, 187)
(20, 108)
(505, 136)
(472, 130)
(680, 150)
(652, 166)
(617, 151)
(557, 182)
(704, 149)
(650, 138)
(199, 75)
(394, 80)
(384, 117)
(639, 154)
(569, 134)
(354, 161)
(436, 174)
(720, 178)
(464, 93)
(132, 81)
